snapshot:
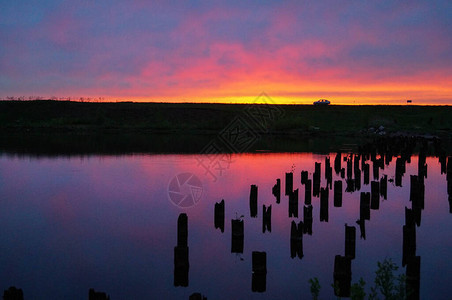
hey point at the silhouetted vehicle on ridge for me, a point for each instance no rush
(322, 102)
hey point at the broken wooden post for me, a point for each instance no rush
(356, 160)
(337, 163)
(237, 236)
(350, 241)
(384, 186)
(182, 230)
(14, 293)
(366, 170)
(409, 243)
(259, 275)
(92, 295)
(308, 192)
(293, 204)
(413, 277)
(296, 240)
(350, 185)
(307, 219)
(422, 166)
(289, 183)
(181, 262)
(219, 215)
(364, 206)
(357, 180)
(266, 218)
(400, 170)
(197, 296)
(324, 205)
(276, 190)
(342, 276)
(417, 192)
(338, 193)
(253, 201)
(328, 173)
(304, 177)
(316, 180)
(362, 227)
(350, 167)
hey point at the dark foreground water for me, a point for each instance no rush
(110, 223)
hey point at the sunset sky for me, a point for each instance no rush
(350, 52)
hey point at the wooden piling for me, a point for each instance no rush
(219, 215)
(384, 186)
(259, 272)
(266, 218)
(289, 183)
(237, 237)
(350, 241)
(337, 163)
(276, 190)
(308, 192)
(253, 201)
(293, 204)
(413, 277)
(182, 230)
(342, 276)
(296, 240)
(324, 205)
(366, 170)
(364, 207)
(316, 180)
(307, 219)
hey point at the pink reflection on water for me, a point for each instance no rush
(110, 216)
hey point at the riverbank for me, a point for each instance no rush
(65, 116)
(71, 128)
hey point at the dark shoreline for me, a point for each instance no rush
(63, 127)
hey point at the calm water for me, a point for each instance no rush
(107, 222)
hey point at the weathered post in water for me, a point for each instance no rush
(237, 236)
(316, 180)
(296, 240)
(219, 215)
(366, 170)
(266, 218)
(253, 201)
(337, 163)
(375, 195)
(350, 241)
(293, 204)
(342, 276)
(181, 262)
(413, 277)
(324, 205)
(308, 192)
(276, 190)
(364, 206)
(289, 183)
(307, 219)
(259, 275)
(304, 177)
(384, 186)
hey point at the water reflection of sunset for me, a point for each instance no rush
(112, 216)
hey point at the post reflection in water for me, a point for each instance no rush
(109, 219)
